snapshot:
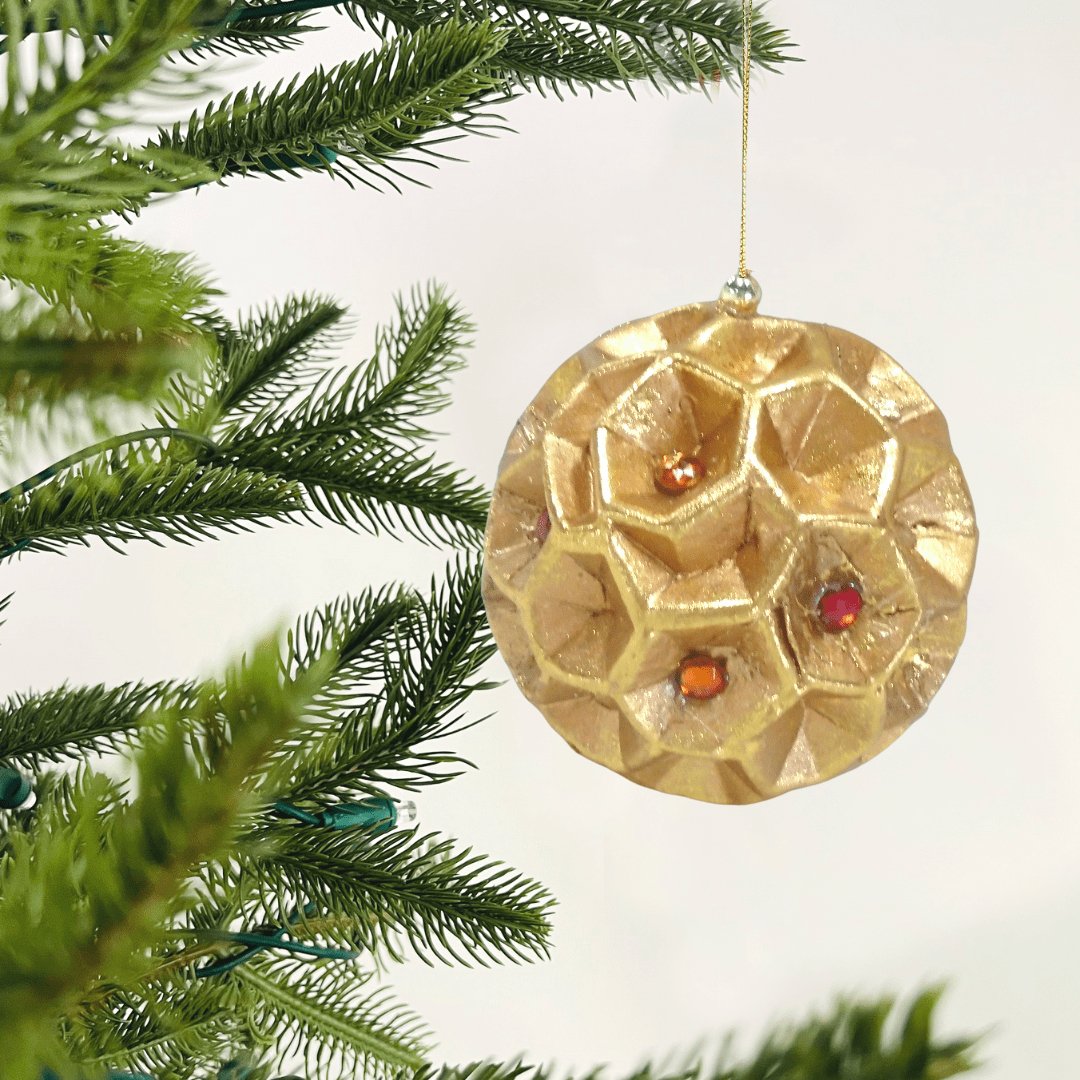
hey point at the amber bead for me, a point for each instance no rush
(839, 607)
(702, 677)
(678, 472)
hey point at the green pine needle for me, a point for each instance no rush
(390, 697)
(265, 358)
(325, 1013)
(448, 903)
(567, 44)
(67, 723)
(149, 498)
(421, 88)
(103, 880)
(858, 1040)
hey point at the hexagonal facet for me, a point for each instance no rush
(821, 736)
(755, 352)
(848, 479)
(759, 685)
(721, 560)
(570, 468)
(675, 408)
(577, 615)
(880, 381)
(512, 539)
(831, 555)
(934, 524)
(826, 449)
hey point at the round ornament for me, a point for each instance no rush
(728, 554)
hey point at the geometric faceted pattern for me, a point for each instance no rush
(825, 464)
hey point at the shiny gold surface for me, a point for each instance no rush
(825, 463)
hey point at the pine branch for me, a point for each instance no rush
(158, 1035)
(222, 29)
(71, 722)
(265, 359)
(243, 30)
(46, 100)
(49, 358)
(567, 44)
(356, 630)
(557, 45)
(283, 433)
(55, 156)
(89, 177)
(421, 88)
(375, 487)
(854, 1042)
(389, 698)
(117, 286)
(320, 1011)
(147, 498)
(103, 884)
(339, 437)
(403, 383)
(450, 905)
(60, 173)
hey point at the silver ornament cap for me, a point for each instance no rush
(741, 295)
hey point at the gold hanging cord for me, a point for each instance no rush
(742, 294)
(748, 17)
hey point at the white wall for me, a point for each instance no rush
(914, 181)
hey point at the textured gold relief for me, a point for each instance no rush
(828, 452)
(833, 554)
(824, 464)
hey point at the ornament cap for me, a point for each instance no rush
(741, 295)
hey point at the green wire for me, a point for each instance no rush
(103, 447)
(268, 939)
(377, 814)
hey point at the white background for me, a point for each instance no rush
(913, 181)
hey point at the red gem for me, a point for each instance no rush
(702, 677)
(542, 526)
(839, 607)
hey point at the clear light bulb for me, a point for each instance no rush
(406, 812)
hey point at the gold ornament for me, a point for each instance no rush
(728, 555)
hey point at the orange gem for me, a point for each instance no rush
(678, 472)
(702, 677)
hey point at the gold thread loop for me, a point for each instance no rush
(748, 18)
